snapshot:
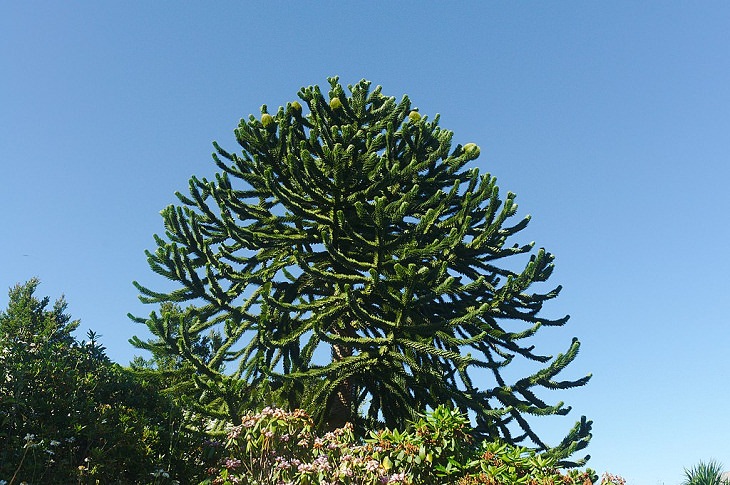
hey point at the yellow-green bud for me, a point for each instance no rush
(471, 150)
(414, 115)
(266, 119)
(296, 107)
(335, 103)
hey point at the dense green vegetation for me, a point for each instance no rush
(70, 415)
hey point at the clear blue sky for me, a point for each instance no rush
(610, 120)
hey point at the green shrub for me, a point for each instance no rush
(70, 415)
(274, 447)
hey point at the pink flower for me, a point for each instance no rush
(372, 465)
(397, 478)
(322, 463)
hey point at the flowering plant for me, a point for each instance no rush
(279, 447)
(276, 447)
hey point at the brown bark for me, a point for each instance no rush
(341, 403)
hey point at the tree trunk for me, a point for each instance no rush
(342, 402)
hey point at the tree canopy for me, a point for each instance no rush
(351, 263)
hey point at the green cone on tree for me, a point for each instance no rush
(335, 103)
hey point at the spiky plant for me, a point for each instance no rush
(354, 266)
(705, 473)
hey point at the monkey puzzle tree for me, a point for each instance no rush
(351, 264)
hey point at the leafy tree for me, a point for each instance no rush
(70, 415)
(28, 318)
(354, 229)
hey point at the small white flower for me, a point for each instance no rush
(160, 473)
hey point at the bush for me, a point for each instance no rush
(70, 415)
(278, 447)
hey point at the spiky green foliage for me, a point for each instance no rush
(705, 473)
(352, 264)
(178, 373)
